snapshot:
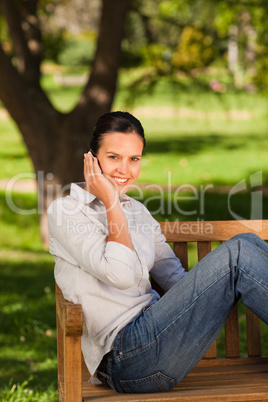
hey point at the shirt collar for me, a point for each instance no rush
(79, 193)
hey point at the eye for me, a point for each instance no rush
(134, 159)
(112, 157)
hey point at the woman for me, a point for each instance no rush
(105, 246)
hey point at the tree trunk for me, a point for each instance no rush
(56, 142)
(233, 49)
(250, 50)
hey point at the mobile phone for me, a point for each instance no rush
(94, 156)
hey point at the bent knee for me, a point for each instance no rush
(251, 237)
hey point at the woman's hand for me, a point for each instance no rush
(104, 189)
(97, 183)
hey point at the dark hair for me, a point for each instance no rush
(121, 122)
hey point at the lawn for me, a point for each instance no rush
(28, 370)
(196, 136)
(197, 140)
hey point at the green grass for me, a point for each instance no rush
(204, 146)
(27, 308)
(198, 204)
(184, 150)
(13, 153)
(187, 94)
(217, 158)
(63, 97)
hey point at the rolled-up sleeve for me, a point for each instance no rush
(120, 256)
(167, 269)
(84, 244)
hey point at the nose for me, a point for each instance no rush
(122, 167)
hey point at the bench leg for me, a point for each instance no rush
(60, 353)
(69, 366)
(72, 369)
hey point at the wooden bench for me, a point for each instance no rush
(231, 378)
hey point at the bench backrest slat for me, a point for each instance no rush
(203, 248)
(253, 334)
(232, 344)
(181, 251)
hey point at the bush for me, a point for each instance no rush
(261, 77)
(53, 45)
(195, 50)
(77, 52)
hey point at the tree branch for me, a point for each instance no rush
(25, 104)
(100, 89)
(13, 20)
(26, 37)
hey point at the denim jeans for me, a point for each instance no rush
(163, 344)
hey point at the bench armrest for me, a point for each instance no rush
(70, 315)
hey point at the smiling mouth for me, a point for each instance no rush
(120, 181)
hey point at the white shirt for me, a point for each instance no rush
(108, 279)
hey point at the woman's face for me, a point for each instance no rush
(120, 157)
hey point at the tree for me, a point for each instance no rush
(56, 141)
(188, 34)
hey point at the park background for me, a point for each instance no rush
(195, 73)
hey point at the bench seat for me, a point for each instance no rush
(238, 380)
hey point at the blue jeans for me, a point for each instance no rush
(163, 344)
